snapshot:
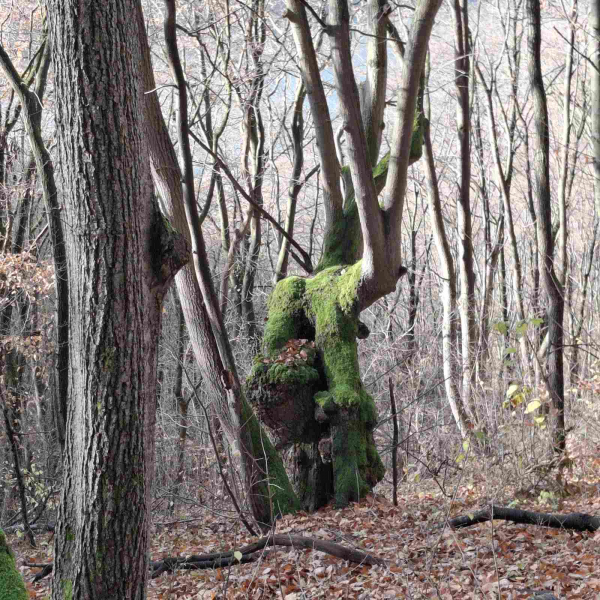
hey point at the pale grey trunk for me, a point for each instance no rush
(448, 293)
(465, 235)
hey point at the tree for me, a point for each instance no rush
(121, 258)
(594, 21)
(552, 284)
(310, 364)
(269, 488)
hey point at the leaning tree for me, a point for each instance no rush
(306, 384)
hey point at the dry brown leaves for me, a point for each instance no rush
(426, 560)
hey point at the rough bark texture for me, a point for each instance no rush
(121, 258)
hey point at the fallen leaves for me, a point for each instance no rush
(424, 559)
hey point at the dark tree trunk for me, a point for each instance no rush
(121, 260)
(182, 403)
(552, 285)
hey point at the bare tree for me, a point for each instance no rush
(361, 260)
(552, 284)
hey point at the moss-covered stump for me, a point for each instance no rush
(281, 391)
(323, 309)
(12, 586)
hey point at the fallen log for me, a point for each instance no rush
(243, 555)
(572, 521)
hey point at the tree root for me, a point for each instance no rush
(573, 521)
(217, 560)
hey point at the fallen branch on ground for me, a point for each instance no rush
(217, 560)
(573, 521)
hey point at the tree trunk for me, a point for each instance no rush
(552, 284)
(121, 259)
(465, 234)
(448, 294)
(209, 341)
(319, 383)
(595, 76)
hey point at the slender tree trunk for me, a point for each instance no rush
(594, 21)
(207, 335)
(552, 284)
(181, 403)
(448, 294)
(465, 261)
(295, 184)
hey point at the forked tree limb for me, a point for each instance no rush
(572, 521)
(217, 560)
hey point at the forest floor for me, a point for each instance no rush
(426, 559)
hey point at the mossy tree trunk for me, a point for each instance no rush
(307, 385)
(12, 586)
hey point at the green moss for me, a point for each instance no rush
(292, 374)
(108, 359)
(67, 586)
(168, 225)
(285, 314)
(356, 465)
(380, 173)
(347, 286)
(12, 586)
(283, 498)
(328, 301)
(326, 401)
(416, 142)
(343, 242)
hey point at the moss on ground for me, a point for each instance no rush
(12, 586)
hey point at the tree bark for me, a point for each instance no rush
(121, 260)
(448, 293)
(552, 284)
(462, 70)
(207, 334)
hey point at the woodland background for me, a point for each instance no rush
(509, 448)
